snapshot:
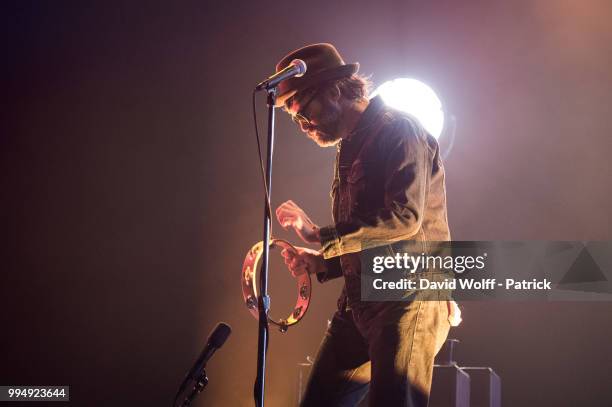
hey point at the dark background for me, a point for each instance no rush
(131, 191)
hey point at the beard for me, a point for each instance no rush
(326, 133)
(323, 139)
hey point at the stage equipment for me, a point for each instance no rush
(485, 387)
(450, 386)
(456, 386)
(250, 292)
(296, 68)
(197, 374)
(416, 98)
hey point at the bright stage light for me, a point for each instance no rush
(418, 99)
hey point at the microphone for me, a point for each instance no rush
(296, 68)
(216, 339)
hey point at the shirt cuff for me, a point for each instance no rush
(333, 270)
(330, 242)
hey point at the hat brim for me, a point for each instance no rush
(299, 84)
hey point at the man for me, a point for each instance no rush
(388, 187)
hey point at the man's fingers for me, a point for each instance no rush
(296, 265)
(299, 270)
(286, 205)
(296, 262)
(288, 254)
(285, 211)
(289, 207)
(292, 260)
(286, 220)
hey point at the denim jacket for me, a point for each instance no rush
(388, 187)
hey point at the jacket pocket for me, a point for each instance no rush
(357, 186)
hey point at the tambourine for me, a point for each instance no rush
(250, 280)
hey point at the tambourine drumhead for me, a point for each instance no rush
(250, 279)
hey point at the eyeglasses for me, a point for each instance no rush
(299, 117)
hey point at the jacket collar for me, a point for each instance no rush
(367, 119)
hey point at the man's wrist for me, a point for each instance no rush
(317, 234)
(330, 243)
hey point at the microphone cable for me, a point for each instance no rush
(261, 166)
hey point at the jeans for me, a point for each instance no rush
(390, 346)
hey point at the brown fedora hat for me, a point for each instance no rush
(323, 63)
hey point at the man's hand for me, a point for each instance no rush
(291, 215)
(304, 260)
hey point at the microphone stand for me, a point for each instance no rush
(196, 389)
(263, 301)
